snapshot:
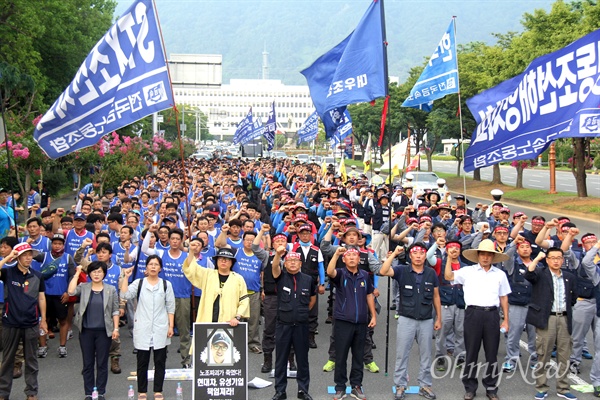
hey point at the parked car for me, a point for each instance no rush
(202, 155)
(303, 158)
(423, 181)
(278, 154)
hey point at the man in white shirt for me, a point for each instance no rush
(485, 288)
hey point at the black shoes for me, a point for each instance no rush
(304, 395)
(279, 396)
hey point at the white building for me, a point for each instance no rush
(198, 84)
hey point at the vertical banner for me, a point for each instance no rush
(220, 361)
(349, 149)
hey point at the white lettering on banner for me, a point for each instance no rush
(130, 104)
(448, 84)
(557, 84)
(97, 79)
(442, 48)
(349, 83)
(510, 152)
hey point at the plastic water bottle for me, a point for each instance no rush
(502, 330)
(130, 393)
(179, 392)
(95, 393)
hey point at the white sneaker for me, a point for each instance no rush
(70, 334)
(42, 351)
(62, 351)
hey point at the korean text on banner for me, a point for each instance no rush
(271, 128)
(351, 72)
(123, 79)
(557, 96)
(440, 76)
(344, 129)
(244, 129)
(309, 129)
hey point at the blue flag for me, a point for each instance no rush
(332, 120)
(351, 72)
(271, 128)
(244, 129)
(440, 76)
(557, 96)
(122, 80)
(257, 131)
(309, 129)
(343, 131)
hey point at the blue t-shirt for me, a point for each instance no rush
(57, 284)
(173, 272)
(250, 268)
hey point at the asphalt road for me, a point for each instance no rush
(532, 178)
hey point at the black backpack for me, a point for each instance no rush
(140, 287)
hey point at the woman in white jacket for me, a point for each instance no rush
(153, 323)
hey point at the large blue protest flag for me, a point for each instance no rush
(332, 120)
(354, 70)
(122, 80)
(271, 128)
(309, 129)
(244, 129)
(440, 76)
(557, 96)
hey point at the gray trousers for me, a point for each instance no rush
(556, 333)
(453, 319)
(11, 337)
(182, 320)
(270, 314)
(408, 330)
(595, 372)
(516, 322)
(254, 320)
(584, 312)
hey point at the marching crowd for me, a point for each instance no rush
(231, 240)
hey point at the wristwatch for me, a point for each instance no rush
(238, 317)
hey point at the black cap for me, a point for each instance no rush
(220, 338)
(225, 253)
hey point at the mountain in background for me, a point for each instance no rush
(296, 32)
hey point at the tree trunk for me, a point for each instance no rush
(496, 178)
(578, 167)
(519, 176)
(476, 174)
(429, 162)
(458, 162)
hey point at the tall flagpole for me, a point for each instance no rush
(462, 151)
(385, 74)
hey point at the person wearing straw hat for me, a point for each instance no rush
(485, 288)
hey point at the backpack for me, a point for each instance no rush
(139, 290)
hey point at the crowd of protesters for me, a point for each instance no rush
(230, 240)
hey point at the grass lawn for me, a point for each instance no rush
(536, 196)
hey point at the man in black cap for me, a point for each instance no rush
(296, 295)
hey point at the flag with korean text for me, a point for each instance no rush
(440, 76)
(123, 79)
(343, 131)
(557, 96)
(244, 129)
(354, 71)
(256, 132)
(309, 129)
(271, 128)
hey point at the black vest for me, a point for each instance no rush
(519, 286)
(416, 302)
(269, 285)
(450, 294)
(310, 263)
(585, 286)
(293, 297)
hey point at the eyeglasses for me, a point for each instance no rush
(220, 347)
(555, 258)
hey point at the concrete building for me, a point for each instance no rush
(197, 83)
